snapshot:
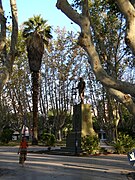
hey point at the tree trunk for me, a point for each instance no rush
(8, 58)
(35, 92)
(121, 90)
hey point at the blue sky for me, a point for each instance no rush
(47, 9)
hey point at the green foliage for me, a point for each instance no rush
(126, 125)
(48, 139)
(37, 23)
(6, 135)
(64, 119)
(124, 143)
(90, 144)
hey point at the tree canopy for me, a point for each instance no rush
(103, 53)
(123, 91)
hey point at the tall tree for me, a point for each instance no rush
(108, 31)
(7, 54)
(122, 91)
(37, 34)
(62, 69)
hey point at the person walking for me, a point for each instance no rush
(23, 151)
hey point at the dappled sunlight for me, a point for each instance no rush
(8, 153)
(60, 160)
(8, 160)
(71, 167)
(42, 157)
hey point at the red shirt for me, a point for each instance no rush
(23, 144)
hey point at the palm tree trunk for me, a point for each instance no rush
(35, 93)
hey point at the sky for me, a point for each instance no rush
(46, 8)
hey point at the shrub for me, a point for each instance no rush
(124, 143)
(90, 144)
(48, 139)
(6, 135)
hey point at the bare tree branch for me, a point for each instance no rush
(85, 41)
(125, 99)
(127, 8)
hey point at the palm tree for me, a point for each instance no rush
(37, 34)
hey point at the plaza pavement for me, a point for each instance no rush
(58, 167)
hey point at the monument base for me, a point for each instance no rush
(82, 126)
(73, 142)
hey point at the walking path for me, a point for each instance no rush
(50, 167)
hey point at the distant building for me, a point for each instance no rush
(15, 136)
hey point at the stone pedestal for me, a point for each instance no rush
(82, 126)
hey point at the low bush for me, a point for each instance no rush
(124, 143)
(6, 135)
(90, 144)
(48, 139)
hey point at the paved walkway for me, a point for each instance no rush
(57, 167)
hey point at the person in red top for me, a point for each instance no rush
(23, 150)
